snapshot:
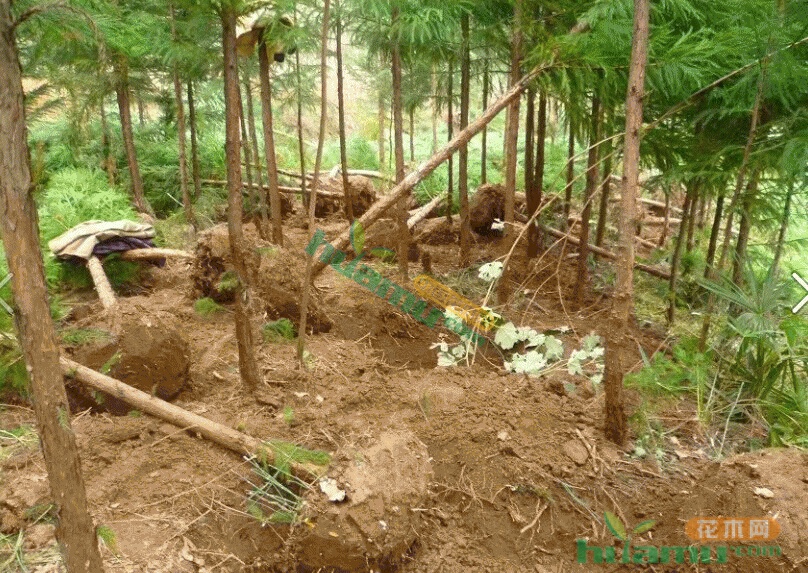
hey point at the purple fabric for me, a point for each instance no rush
(120, 244)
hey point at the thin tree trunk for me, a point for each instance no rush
(692, 190)
(463, 159)
(188, 208)
(589, 196)
(398, 137)
(253, 190)
(744, 228)
(383, 164)
(412, 134)
(484, 140)
(262, 197)
(530, 127)
(195, 171)
(702, 210)
(663, 237)
(141, 111)
(19, 230)
(244, 335)
(428, 167)
(434, 110)
(511, 149)
(781, 236)
(709, 270)
(570, 174)
(307, 283)
(343, 152)
(300, 147)
(122, 91)
(450, 135)
(617, 350)
(691, 225)
(269, 144)
(605, 188)
(106, 147)
(534, 195)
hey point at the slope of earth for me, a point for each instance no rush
(518, 468)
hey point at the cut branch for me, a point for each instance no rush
(101, 282)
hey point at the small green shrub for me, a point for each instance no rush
(228, 282)
(279, 330)
(82, 336)
(207, 307)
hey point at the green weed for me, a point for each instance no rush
(107, 537)
(281, 330)
(207, 307)
(288, 415)
(82, 336)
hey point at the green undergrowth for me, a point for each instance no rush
(207, 307)
(282, 330)
(81, 336)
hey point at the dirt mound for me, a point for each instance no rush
(384, 234)
(361, 189)
(276, 273)
(376, 528)
(487, 204)
(144, 349)
(439, 232)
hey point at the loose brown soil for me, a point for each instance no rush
(446, 470)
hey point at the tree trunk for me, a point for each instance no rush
(589, 196)
(463, 160)
(692, 190)
(195, 172)
(122, 90)
(186, 193)
(19, 230)
(450, 135)
(269, 144)
(781, 236)
(244, 335)
(307, 282)
(484, 140)
(343, 152)
(253, 190)
(617, 350)
(530, 127)
(511, 149)
(412, 134)
(427, 167)
(383, 164)
(691, 224)
(534, 195)
(141, 111)
(106, 147)
(605, 187)
(570, 174)
(398, 137)
(744, 228)
(663, 236)
(300, 148)
(262, 197)
(434, 110)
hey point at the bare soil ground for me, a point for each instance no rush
(450, 470)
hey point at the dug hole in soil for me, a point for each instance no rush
(445, 470)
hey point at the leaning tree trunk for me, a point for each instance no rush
(343, 152)
(262, 198)
(122, 91)
(269, 144)
(687, 212)
(511, 150)
(307, 282)
(398, 136)
(463, 158)
(19, 230)
(484, 137)
(617, 350)
(186, 193)
(781, 236)
(450, 134)
(589, 196)
(195, 171)
(570, 173)
(534, 195)
(244, 335)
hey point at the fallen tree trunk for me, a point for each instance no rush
(101, 282)
(403, 188)
(229, 438)
(418, 215)
(661, 273)
(290, 190)
(151, 254)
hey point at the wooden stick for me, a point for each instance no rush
(229, 438)
(663, 274)
(403, 188)
(155, 253)
(101, 282)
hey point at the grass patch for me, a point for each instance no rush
(207, 307)
(83, 336)
(107, 537)
(228, 283)
(281, 330)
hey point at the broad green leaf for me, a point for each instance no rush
(490, 271)
(554, 348)
(615, 525)
(590, 341)
(446, 359)
(647, 525)
(507, 336)
(357, 237)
